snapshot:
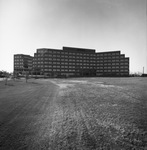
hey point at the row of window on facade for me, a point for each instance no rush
(116, 73)
(78, 64)
(56, 66)
(20, 66)
(81, 60)
(66, 63)
(21, 63)
(22, 60)
(73, 70)
(103, 67)
(43, 52)
(17, 56)
(23, 57)
(79, 57)
(79, 69)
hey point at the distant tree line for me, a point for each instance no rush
(3, 74)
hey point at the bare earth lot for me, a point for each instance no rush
(76, 114)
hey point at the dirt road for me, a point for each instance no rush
(71, 114)
(25, 113)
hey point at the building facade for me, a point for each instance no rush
(22, 63)
(79, 62)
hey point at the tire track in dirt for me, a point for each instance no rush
(21, 125)
(109, 119)
(92, 130)
(74, 130)
(74, 115)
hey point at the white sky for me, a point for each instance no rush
(104, 25)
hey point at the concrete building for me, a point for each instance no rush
(22, 63)
(79, 62)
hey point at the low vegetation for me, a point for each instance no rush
(84, 114)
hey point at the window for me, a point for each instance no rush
(70, 56)
(54, 52)
(117, 53)
(109, 64)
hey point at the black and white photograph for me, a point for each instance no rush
(73, 74)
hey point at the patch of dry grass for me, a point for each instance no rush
(83, 114)
(107, 115)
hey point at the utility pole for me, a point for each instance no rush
(143, 70)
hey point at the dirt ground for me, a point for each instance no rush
(76, 114)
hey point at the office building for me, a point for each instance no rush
(22, 63)
(79, 62)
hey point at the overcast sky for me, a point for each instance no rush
(104, 25)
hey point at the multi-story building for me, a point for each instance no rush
(80, 62)
(22, 63)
